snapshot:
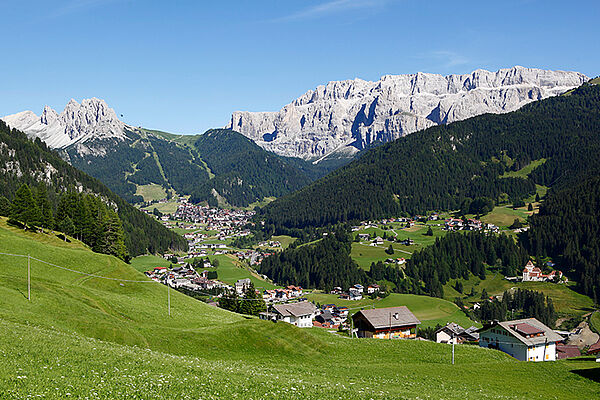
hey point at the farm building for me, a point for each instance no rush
(300, 314)
(524, 339)
(386, 323)
(454, 333)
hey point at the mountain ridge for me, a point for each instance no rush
(355, 114)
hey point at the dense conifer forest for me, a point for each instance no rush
(63, 191)
(441, 167)
(219, 160)
(567, 228)
(326, 263)
(244, 172)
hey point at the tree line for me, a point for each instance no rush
(83, 216)
(520, 303)
(567, 228)
(30, 162)
(442, 167)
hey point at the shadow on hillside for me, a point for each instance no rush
(592, 373)
(22, 294)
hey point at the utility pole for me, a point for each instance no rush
(169, 297)
(390, 331)
(28, 277)
(452, 348)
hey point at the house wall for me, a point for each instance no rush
(444, 337)
(494, 338)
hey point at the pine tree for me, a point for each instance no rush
(66, 226)
(46, 212)
(390, 250)
(112, 241)
(429, 232)
(530, 207)
(484, 294)
(24, 207)
(5, 207)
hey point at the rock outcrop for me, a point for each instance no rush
(347, 116)
(77, 123)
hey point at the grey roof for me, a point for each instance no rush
(380, 317)
(295, 309)
(452, 327)
(548, 334)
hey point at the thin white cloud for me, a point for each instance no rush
(332, 7)
(445, 58)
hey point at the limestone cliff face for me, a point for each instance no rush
(77, 123)
(347, 116)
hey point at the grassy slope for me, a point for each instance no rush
(429, 310)
(148, 262)
(213, 353)
(151, 192)
(566, 301)
(230, 270)
(525, 171)
(364, 254)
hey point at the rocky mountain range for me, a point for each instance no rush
(219, 167)
(77, 123)
(345, 117)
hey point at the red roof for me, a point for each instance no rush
(567, 351)
(595, 348)
(526, 329)
(160, 268)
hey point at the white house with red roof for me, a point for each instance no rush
(531, 273)
(525, 339)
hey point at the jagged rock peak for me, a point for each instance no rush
(77, 123)
(346, 116)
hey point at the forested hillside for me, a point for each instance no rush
(244, 172)
(23, 161)
(567, 228)
(218, 165)
(441, 167)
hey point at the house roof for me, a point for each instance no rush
(295, 309)
(452, 327)
(523, 328)
(595, 348)
(567, 351)
(381, 317)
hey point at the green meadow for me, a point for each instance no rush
(86, 337)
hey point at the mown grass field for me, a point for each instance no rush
(525, 171)
(151, 192)
(429, 310)
(166, 208)
(148, 262)
(231, 270)
(364, 254)
(84, 337)
(566, 301)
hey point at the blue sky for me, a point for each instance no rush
(184, 66)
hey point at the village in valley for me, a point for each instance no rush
(211, 234)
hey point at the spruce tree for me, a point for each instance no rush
(24, 207)
(5, 207)
(46, 212)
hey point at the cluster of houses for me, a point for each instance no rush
(218, 219)
(457, 224)
(355, 292)
(255, 256)
(282, 295)
(185, 277)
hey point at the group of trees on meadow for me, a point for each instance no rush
(458, 255)
(520, 303)
(251, 303)
(83, 216)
